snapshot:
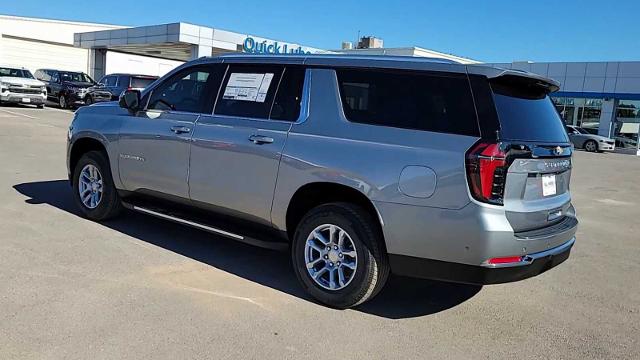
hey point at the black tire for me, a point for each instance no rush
(88, 100)
(41, 106)
(372, 270)
(109, 205)
(62, 101)
(590, 146)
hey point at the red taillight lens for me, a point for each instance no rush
(504, 260)
(486, 172)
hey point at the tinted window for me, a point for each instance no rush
(45, 75)
(248, 91)
(286, 106)
(526, 113)
(141, 82)
(412, 100)
(109, 80)
(75, 77)
(189, 90)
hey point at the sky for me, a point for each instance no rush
(489, 31)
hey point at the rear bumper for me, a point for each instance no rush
(530, 265)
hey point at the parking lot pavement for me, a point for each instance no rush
(138, 287)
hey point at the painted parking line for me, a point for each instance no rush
(19, 114)
(56, 109)
(32, 109)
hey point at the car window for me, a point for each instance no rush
(525, 112)
(439, 102)
(188, 91)
(286, 105)
(248, 91)
(21, 73)
(75, 77)
(139, 82)
(54, 77)
(109, 81)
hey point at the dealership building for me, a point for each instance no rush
(600, 97)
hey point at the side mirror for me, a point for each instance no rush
(130, 100)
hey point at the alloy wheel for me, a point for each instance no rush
(330, 257)
(90, 186)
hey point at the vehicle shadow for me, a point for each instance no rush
(401, 298)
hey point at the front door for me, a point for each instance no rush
(236, 152)
(154, 143)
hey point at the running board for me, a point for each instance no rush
(274, 245)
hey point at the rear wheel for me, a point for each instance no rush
(591, 146)
(93, 188)
(338, 255)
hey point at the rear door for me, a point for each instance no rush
(538, 154)
(236, 151)
(154, 143)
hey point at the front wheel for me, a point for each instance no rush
(62, 101)
(93, 188)
(338, 255)
(88, 100)
(591, 146)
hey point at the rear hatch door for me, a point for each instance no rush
(538, 153)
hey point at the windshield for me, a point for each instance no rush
(527, 115)
(75, 77)
(141, 82)
(21, 73)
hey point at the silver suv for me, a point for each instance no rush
(360, 166)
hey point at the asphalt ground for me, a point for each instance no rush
(138, 287)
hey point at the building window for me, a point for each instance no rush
(627, 123)
(584, 113)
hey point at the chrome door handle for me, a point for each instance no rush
(180, 129)
(260, 139)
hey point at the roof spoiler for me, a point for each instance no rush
(517, 76)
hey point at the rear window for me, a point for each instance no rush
(141, 82)
(439, 102)
(526, 113)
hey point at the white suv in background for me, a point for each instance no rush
(18, 86)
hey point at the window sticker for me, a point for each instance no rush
(248, 87)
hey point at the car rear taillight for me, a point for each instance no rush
(486, 172)
(504, 260)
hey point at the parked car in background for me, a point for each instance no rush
(18, 86)
(71, 89)
(582, 139)
(342, 161)
(116, 84)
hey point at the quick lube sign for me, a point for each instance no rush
(250, 45)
